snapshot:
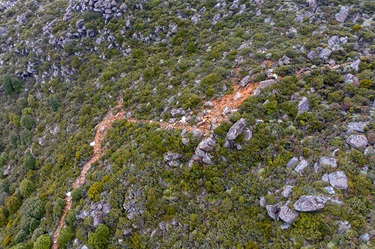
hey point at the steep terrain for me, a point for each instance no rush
(241, 123)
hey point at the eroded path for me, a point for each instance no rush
(213, 116)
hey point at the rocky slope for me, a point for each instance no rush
(196, 162)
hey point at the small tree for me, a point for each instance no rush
(29, 161)
(27, 122)
(100, 238)
(42, 242)
(66, 235)
(26, 188)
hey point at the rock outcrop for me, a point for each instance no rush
(309, 203)
(357, 141)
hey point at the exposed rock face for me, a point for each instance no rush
(325, 160)
(273, 211)
(236, 129)
(357, 141)
(303, 105)
(292, 162)
(308, 203)
(284, 213)
(325, 53)
(338, 180)
(287, 214)
(365, 238)
(285, 60)
(371, 137)
(245, 81)
(343, 14)
(97, 211)
(311, 55)
(201, 152)
(207, 144)
(173, 159)
(356, 126)
(301, 166)
(312, 3)
(263, 84)
(355, 64)
(247, 133)
(176, 112)
(287, 191)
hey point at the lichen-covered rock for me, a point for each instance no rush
(303, 105)
(343, 14)
(301, 166)
(357, 141)
(288, 215)
(292, 162)
(325, 53)
(287, 191)
(263, 84)
(236, 129)
(309, 203)
(338, 180)
(371, 137)
(207, 144)
(273, 211)
(356, 126)
(331, 161)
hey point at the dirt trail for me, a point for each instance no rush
(101, 131)
(209, 118)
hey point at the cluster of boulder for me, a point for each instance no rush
(97, 211)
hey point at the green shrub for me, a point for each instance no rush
(27, 122)
(66, 235)
(11, 85)
(42, 242)
(100, 238)
(29, 161)
(26, 188)
(95, 190)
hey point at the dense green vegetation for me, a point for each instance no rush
(56, 85)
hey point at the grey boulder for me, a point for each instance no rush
(357, 141)
(325, 160)
(338, 180)
(288, 215)
(308, 203)
(236, 129)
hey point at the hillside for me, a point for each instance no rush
(187, 124)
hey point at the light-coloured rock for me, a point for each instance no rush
(357, 141)
(356, 126)
(288, 215)
(273, 211)
(263, 84)
(236, 129)
(247, 134)
(311, 55)
(355, 64)
(303, 105)
(207, 144)
(325, 53)
(287, 191)
(343, 14)
(330, 190)
(338, 180)
(245, 81)
(331, 161)
(365, 238)
(309, 203)
(301, 166)
(292, 162)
